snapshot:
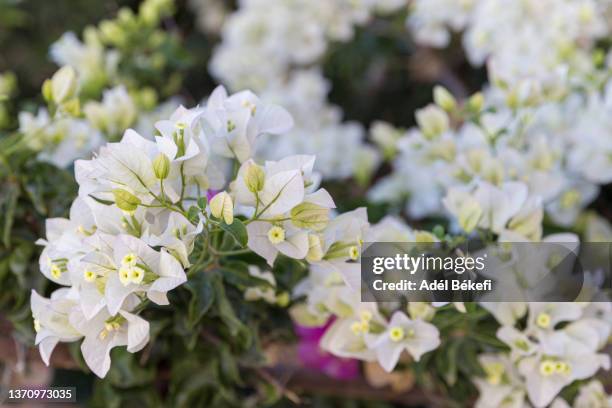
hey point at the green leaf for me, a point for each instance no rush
(226, 312)
(236, 273)
(193, 214)
(12, 194)
(202, 297)
(126, 372)
(101, 201)
(237, 230)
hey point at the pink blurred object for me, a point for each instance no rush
(210, 194)
(313, 357)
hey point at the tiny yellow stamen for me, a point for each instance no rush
(562, 368)
(89, 276)
(36, 325)
(124, 276)
(396, 334)
(547, 368)
(103, 334)
(137, 275)
(56, 271)
(129, 259)
(276, 235)
(365, 315)
(543, 320)
(354, 253)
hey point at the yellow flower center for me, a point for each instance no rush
(543, 320)
(276, 235)
(137, 275)
(129, 259)
(547, 368)
(396, 333)
(360, 327)
(563, 368)
(365, 315)
(56, 271)
(89, 276)
(495, 372)
(353, 253)
(125, 276)
(36, 325)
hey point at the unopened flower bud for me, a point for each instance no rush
(161, 166)
(315, 248)
(469, 215)
(476, 103)
(283, 299)
(47, 93)
(254, 178)
(221, 206)
(444, 99)
(432, 121)
(310, 216)
(125, 200)
(63, 84)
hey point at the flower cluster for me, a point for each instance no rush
(91, 99)
(546, 355)
(128, 238)
(363, 330)
(533, 44)
(270, 47)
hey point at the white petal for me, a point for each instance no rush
(138, 332)
(273, 119)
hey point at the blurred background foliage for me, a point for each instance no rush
(219, 365)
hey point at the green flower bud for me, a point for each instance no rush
(125, 200)
(310, 216)
(432, 121)
(476, 102)
(221, 206)
(46, 90)
(283, 299)
(63, 85)
(469, 215)
(161, 166)
(444, 99)
(254, 178)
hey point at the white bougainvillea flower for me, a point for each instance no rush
(126, 165)
(501, 386)
(104, 331)
(175, 233)
(51, 320)
(141, 269)
(66, 241)
(283, 188)
(403, 334)
(327, 293)
(266, 293)
(233, 123)
(593, 394)
(267, 240)
(560, 361)
(520, 344)
(590, 331)
(340, 246)
(181, 135)
(486, 206)
(506, 313)
(346, 336)
(545, 316)
(114, 114)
